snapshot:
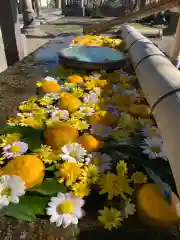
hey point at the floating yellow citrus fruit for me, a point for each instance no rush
(69, 102)
(29, 168)
(60, 135)
(90, 143)
(140, 110)
(153, 209)
(74, 79)
(49, 87)
(103, 117)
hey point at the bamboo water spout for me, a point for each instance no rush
(160, 81)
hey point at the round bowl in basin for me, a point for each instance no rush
(92, 58)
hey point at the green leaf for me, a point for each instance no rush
(32, 136)
(49, 187)
(51, 168)
(20, 212)
(37, 204)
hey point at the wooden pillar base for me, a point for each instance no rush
(11, 34)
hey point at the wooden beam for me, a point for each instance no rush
(147, 10)
(11, 33)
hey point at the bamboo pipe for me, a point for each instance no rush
(160, 80)
(148, 10)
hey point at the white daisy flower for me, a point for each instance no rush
(24, 114)
(90, 98)
(53, 96)
(60, 114)
(73, 152)
(11, 188)
(14, 149)
(50, 79)
(153, 147)
(101, 130)
(102, 160)
(67, 87)
(129, 208)
(87, 111)
(65, 209)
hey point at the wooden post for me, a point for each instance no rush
(11, 34)
(175, 51)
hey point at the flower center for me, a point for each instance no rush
(86, 110)
(74, 154)
(66, 207)
(156, 149)
(97, 161)
(153, 132)
(6, 192)
(60, 114)
(15, 149)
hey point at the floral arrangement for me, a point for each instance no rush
(84, 136)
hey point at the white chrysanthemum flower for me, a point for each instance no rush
(14, 149)
(90, 98)
(101, 130)
(50, 79)
(129, 208)
(87, 111)
(65, 209)
(153, 147)
(73, 152)
(60, 114)
(102, 160)
(11, 188)
(150, 131)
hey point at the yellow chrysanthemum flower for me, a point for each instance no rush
(47, 154)
(110, 218)
(29, 105)
(121, 167)
(89, 85)
(77, 92)
(45, 101)
(9, 138)
(90, 174)
(138, 177)
(77, 123)
(114, 185)
(69, 172)
(34, 122)
(80, 189)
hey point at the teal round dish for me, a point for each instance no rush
(92, 58)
